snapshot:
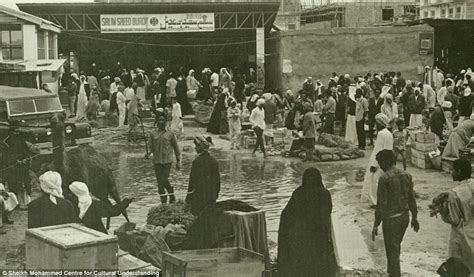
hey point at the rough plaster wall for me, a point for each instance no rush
(355, 51)
(366, 15)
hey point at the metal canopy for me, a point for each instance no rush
(85, 17)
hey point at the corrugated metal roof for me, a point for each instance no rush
(42, 23)
(159, 7)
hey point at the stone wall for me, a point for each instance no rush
(355, 51)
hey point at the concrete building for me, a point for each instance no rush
(453, 22)
(449, 9)
(325, 14)
(29, 50)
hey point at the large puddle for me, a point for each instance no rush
(266, 184)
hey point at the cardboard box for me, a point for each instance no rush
(425, 137)
(249, 142)
(70, 246)
(425, 147)
(422, 163)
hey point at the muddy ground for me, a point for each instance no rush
(268, 184)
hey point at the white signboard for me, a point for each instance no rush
(287, 67)
(157, 23)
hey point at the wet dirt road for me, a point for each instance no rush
(268, 184)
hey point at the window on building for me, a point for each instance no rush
(387, 14)
(443, 13)
(51, 45)
(432, 13)
(458, 12)
(11, 41)
(425, 14)
(425, 2)
(451, 13)
(41, 45)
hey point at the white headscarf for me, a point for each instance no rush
(191, 72)
(82, 192)
(50, 183)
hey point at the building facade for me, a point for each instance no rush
(27, 37)
(449, 9)
(29, 50)
(355, 14)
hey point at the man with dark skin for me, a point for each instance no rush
(395, 197)
(162, 145)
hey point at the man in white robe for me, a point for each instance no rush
(351, 131)
(373, 172)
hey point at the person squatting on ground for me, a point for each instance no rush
(91, 211)
(233, 115)
(399, 141)
(8, 203)
(162, 145)
(257, 119)
(204, 179)
(395, 197)
(50, 208)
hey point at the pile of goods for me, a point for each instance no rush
(174, 213)
(422, 143)
(331, 148)
(203, 111)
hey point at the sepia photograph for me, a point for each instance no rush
(240, 138)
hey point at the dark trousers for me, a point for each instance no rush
(371, 130)
(361, 132)
(259, 133)
(393, 232)
(406, 116)
(162, 173)
(329, 123)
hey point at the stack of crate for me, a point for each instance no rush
(423, 144)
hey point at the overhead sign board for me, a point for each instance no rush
(157, 23)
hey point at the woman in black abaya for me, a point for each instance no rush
(218, 122)
(182, 96)
(305, 246)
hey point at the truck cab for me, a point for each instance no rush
(28, 112)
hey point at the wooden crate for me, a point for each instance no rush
(70, 246)
(229, 262)
(425, 137)
(249, 142)
(419, 154)
(425, 147)
(421, 163)
(128, 262)
(447, 165)
(420, 159)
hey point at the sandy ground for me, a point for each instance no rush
(422, 252)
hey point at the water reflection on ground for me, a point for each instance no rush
(264, 183)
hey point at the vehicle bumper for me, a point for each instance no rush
(46, 148)
(85, 140)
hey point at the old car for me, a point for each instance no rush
(28, 112)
